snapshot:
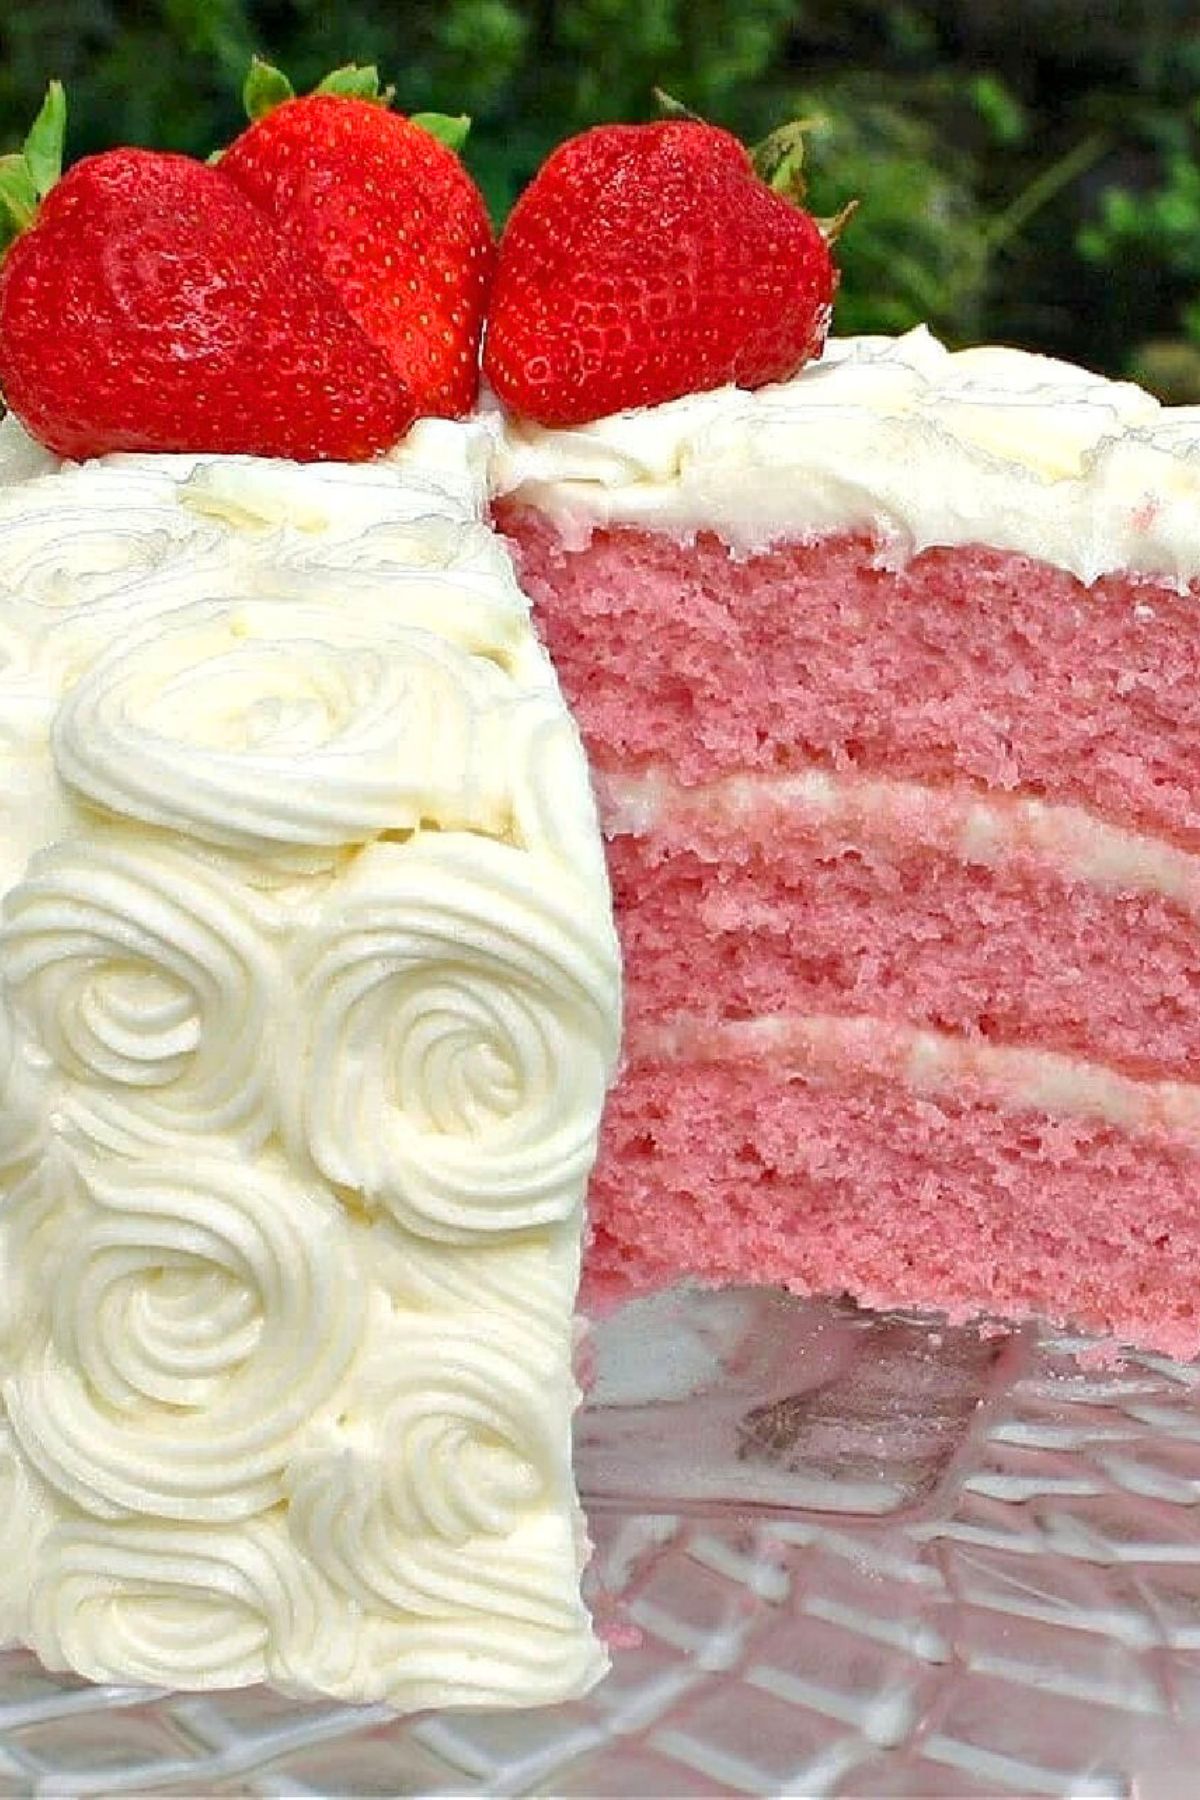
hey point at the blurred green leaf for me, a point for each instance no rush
(999, 109)
(264, 88)
(44, 141)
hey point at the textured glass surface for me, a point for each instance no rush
(837, 1554)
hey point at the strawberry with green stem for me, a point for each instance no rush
(645, 262)
(147, 304)
(383, 207)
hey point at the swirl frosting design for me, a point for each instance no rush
(197, 1316)
(22, 1097)
(147, 978)
(252, 726)
(515, 1278)
(179, 1607)
(436, 1479)
(88, 552)
(457, 1036)
(25, 1519)
(308, 998)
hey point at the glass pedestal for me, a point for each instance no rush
(837, 1553)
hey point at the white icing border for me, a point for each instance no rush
(899, 438)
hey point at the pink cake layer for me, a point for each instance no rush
(780, 1116)
(730, 924)
(969, 665)
(830, 1182)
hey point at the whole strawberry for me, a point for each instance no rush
(388, 214)
(148, 305)
(649, 261)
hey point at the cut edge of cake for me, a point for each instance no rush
(888, 677)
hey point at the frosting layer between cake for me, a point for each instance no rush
(899, 437)
(308, 1003)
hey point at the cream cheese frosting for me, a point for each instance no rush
(1071, 841)
(309, 999)
(899, 438)
(1006, 1075)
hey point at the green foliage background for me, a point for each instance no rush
(1028, 171)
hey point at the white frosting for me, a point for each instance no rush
(180, 1606)
(362, 1502)
(899, 438)
(1072, 841)
(25, 1098)
(933, 1062)
(308, 1002)
(180, 1324)
(453, 1012)
(151, 982)
(204, 722)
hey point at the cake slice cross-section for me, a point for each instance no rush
(890, 677)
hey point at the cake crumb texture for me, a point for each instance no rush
(905, 861)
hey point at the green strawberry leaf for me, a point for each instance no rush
(28, 174)
(18, 198)
(447, 129)
(44, 145)
(265, 88)
(779, 160)
(831, 228)
(671, 108)
(356, 81)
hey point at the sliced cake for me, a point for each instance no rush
(890, 678)
(309, 987)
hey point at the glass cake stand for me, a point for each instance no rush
(837, 1553)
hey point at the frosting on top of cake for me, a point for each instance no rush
(308, 1003)
(898, 437)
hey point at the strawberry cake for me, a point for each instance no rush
(887, 663)
(889, 680)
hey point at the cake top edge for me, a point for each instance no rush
(451, 458)
(1063, 410)
(903, 438)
